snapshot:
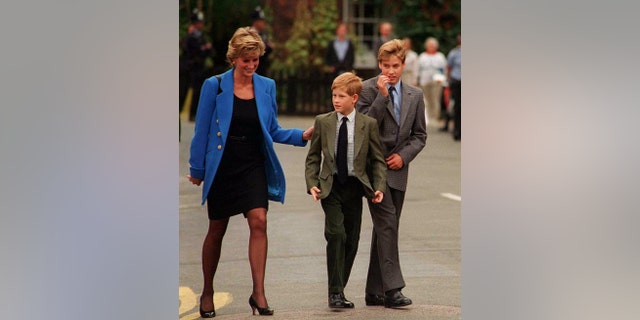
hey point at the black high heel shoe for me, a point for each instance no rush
(262, 311)
(206, 314)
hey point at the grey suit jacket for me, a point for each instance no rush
(368, 163)
(409, 138)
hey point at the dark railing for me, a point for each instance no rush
(303, 94)
(308, 94)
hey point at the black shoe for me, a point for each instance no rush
(396, 300)
(337, 300)
(374, 300)
(266, 311)
(444, 129)
(206, 314)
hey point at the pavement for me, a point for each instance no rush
(296, 283)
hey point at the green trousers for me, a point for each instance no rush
(343, 217)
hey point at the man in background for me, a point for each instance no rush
(454, 67)
(340, 53)
(259, 24)
(196, 49)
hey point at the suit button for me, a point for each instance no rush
(219, 134)
(219, 147)
(217, 120)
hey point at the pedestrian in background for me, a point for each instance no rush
(445, 112)
(196, 49)
(385, 31)
(410, 73)
(431, 66)
(259, 24)
(232, 153)
(344, 163)
(454, 67)
(340, 53)
(399, 109)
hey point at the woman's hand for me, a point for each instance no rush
(195, 181)
(307, 134)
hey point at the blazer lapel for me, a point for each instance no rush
(329, 126)
(263, 100)
(224, 102)
(358, 135)
(407, 103)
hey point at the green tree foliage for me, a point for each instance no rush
(421, 19)
(221, 19)
(311, 31)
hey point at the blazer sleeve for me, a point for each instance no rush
(418, 134)
(206, 108)
(314, 157)
(278, 134)
(376, 159)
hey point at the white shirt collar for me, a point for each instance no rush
(351, 116)
(397, 86)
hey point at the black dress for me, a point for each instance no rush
(240, 183)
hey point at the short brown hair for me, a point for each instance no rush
(245, 41)
(391, 48)
(348, 82)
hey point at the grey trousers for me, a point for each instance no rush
(384, 263)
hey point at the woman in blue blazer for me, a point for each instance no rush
(232, 153)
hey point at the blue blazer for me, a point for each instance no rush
(212, 128)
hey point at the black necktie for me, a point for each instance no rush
(341, 154)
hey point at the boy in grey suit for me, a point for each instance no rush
(346, 143)
(400, 111)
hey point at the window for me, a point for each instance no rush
(363, 17)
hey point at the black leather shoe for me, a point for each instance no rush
(443, 129)
(374, 300)
(337, 300)
(396, 300)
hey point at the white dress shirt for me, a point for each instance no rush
(351, 123)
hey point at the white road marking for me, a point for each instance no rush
(451, 196)
(189, 301)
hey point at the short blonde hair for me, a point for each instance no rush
(245, 41)
(348, 82)
(391, 48)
